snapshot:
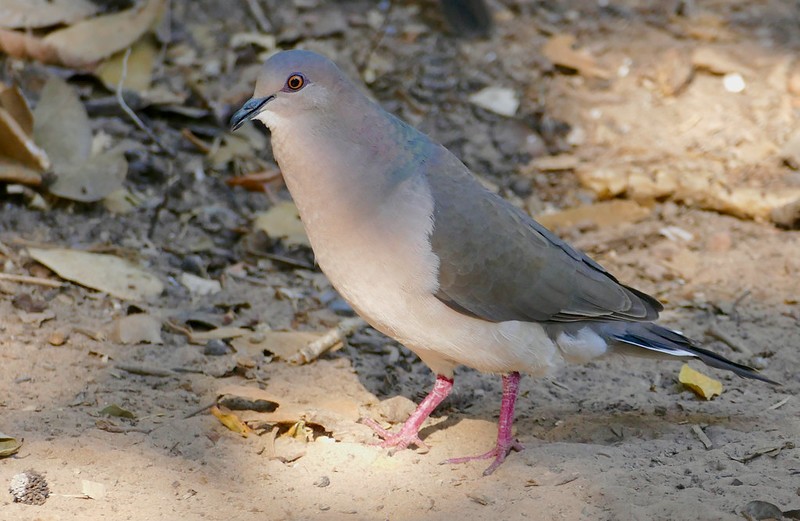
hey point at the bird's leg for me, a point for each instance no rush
(505, 442)
(409, 432)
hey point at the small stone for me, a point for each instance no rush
(57, 338)
(216, 347)
(322, 482)
(719, 242)
(733, 82)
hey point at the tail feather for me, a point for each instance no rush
(655, 338)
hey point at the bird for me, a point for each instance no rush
(428, 256)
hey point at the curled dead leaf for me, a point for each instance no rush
(702, 385)
(231, 421)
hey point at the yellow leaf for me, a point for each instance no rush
(702, 385)
(231, 421)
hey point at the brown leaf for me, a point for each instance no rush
(28, 14)
(89, 41)
(231, 421)
(13, 172)
(27, 46)
(558, 50)
(14, 102)
(18, 146)
(139, 70)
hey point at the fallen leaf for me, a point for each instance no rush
(27, 46)
(12, 172)
(29, 14)
(283, 344)
(139, 70)
(8, 445)
(255, 181)
(102, 272)
(558, 50)
(602, 214)
(117, 411)
(14, 102)
(231, 421)
(18, 146)
(702, 385)
(137, 329)
(282, 221)
(200, 286)
(220, 333)
(92, 180)
(87, 42)
(61, 125)
(93, 489)
(500, 100)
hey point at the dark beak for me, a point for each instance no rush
(249, 110)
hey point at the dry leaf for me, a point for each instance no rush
(14, 102)
(231, 421)
(702, 385)
(558, 50)
(282, 221)
(117, 411)
(93, 180)
(18, 146)
(605, 213)
(88, 42)
(102, 272)
(139, 71)
(200, 286)
(8, 445)
(28, 14)
(499, 100)
(61, 125)
(283, 344)
(12, 172)
(137, 329)
(93, 489)
(220, 333)
(24, 45)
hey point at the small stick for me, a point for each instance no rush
(702, 437)
(327, 341)
(124, 106)
(26, 279)
(259, 16)
(144, 370)
(715, 332)
(779, 404)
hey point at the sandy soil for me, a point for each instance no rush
(615, 439)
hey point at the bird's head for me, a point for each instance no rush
(291, 83)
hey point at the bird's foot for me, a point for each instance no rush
(396, 441)
(499, 453)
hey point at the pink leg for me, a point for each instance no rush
(505, 442)
(409, 433)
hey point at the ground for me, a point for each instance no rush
(614, 439)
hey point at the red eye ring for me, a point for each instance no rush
(295, 82)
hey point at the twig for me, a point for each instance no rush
(698, 431)
(259, 16)
(124, 106)
(779, 404)
(144, 370)
(327, 341)
(377, 38)
(715, 332)
(198, 410)
(26, 279)
(734, 310)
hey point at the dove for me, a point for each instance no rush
(425, 254)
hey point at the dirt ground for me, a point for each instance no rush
(615, 439)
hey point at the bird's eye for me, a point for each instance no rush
(295, 82)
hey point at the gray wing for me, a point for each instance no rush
(498, 264)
